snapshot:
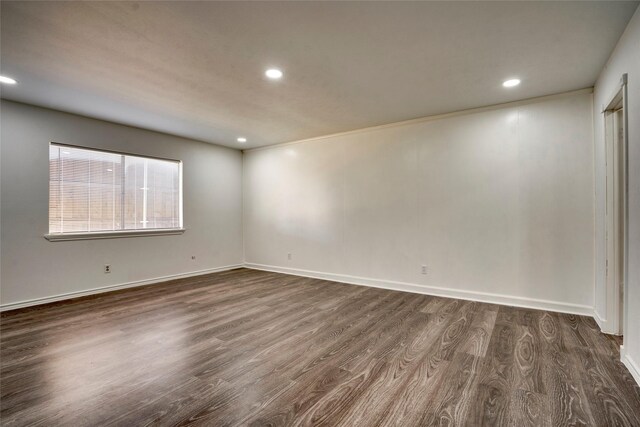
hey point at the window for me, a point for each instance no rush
(102, 193)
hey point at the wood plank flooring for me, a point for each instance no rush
(251, 348)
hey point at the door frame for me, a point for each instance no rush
(616, 211)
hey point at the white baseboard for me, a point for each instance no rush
(436, 291)
(631, 365)
(602, 323)
(354, 280)
(605, 326)
(69, 295)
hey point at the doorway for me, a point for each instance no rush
(616, 208)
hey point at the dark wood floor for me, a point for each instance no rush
(255, 348)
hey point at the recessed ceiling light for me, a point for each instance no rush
(511, 83)
(273, 73)
(242, 139)
(7, 80)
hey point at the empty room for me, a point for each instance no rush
(296, 213)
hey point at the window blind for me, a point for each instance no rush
(92, 191)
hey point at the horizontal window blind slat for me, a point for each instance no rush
(93, 191)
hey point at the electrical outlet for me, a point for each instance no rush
(289, 256)
(193, 257)
(107, 268)
(424, 269)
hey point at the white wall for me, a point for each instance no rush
(624, 59)
(33, 267)
(498, 204)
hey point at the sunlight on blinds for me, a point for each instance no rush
(151, 197)
(92, 191)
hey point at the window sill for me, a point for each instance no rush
(61, 237)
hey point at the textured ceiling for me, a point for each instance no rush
(195, 69)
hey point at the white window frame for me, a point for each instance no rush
(113, 234)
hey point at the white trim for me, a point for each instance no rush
(614, 311)
(429, 118)
(602, 323)
(436, 291)
(615, 96)
(153, 281)
(181, 194)
(64, 237)
(631, 365)
(605, 326)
